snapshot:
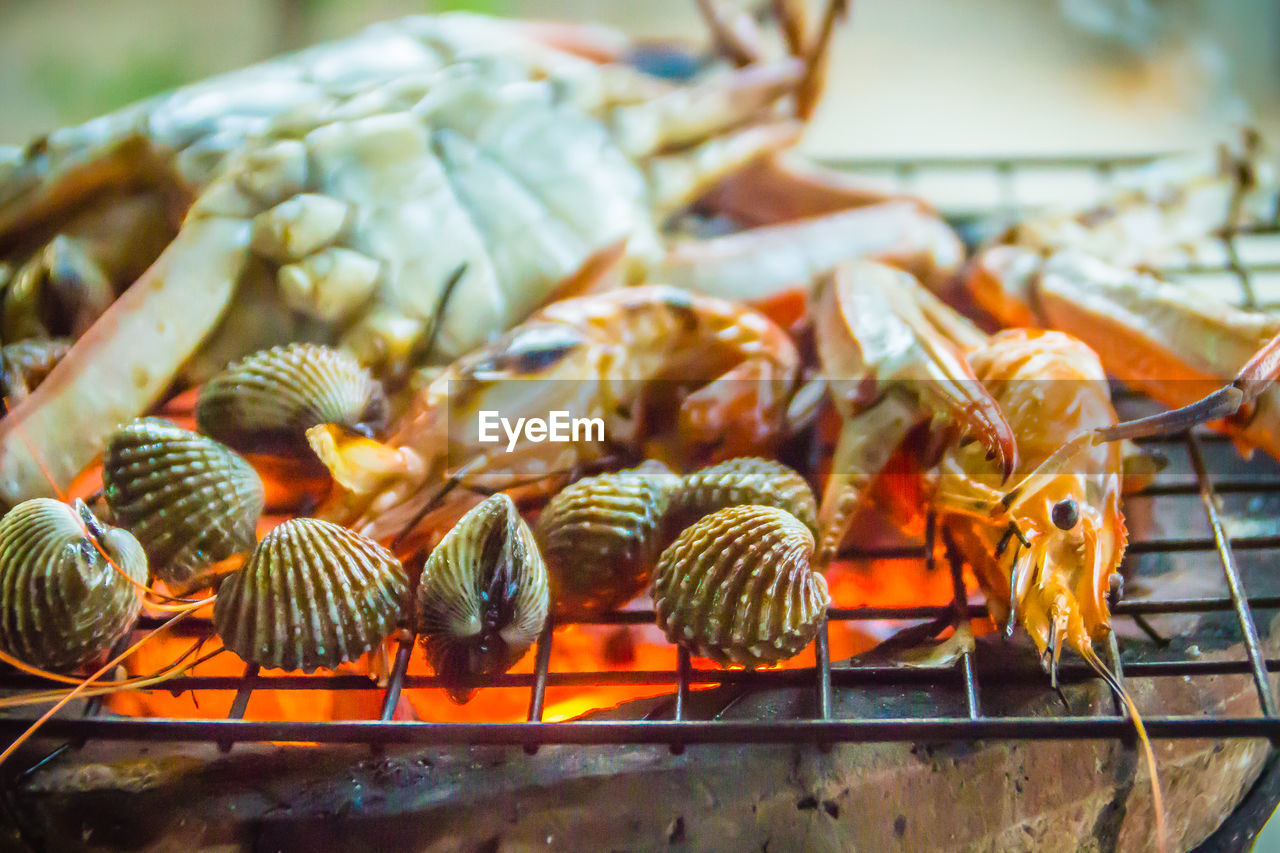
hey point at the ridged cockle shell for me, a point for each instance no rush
(69, 585)
(742, 482)
(269, 400)
(190, 500)
(483, 596)
(313, 594)
(601, 537)
(738, 587)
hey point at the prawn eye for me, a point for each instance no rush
(1065, 514)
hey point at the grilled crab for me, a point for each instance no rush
(409, 193)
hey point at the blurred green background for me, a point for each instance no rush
(909, 77)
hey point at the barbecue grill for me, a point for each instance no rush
(1204, 473)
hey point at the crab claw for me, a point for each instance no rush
(145, 336)
(200, 305)
(879, 325)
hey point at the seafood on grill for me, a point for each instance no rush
(483, 597)
(668, 374)
(601, 536)
(739, 587)
(70, 586)
(190, 501)
(313, 594)
(408, 193)
(267, 401)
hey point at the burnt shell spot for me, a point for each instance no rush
(532, 351)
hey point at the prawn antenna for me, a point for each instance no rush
(85, 684)
(1157, 799)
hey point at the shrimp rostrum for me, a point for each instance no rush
(408, 194)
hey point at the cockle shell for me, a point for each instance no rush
(744, 481)
(483, 597)
(313, 594)
(190, 500)
(738, 587)
(268, 401)
(62, 601)
(601, 536)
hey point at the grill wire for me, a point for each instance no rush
(983, 190)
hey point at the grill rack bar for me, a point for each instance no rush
(655, 732)
(824, 728)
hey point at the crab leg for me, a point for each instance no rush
(784, 188)
(735, 34)
(891, 365)
(759, 263)
(144, 337)
(690, 115)
(816, 59)
(1205, 359)
(676, 179)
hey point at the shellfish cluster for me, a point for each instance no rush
(187, 508)
(722, 549)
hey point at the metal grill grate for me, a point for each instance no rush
(970, 192)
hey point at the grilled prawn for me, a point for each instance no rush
(1028, 389)
(409, 193)
(667, 373)
(1068, 534)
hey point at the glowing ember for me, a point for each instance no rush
(582, 649)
